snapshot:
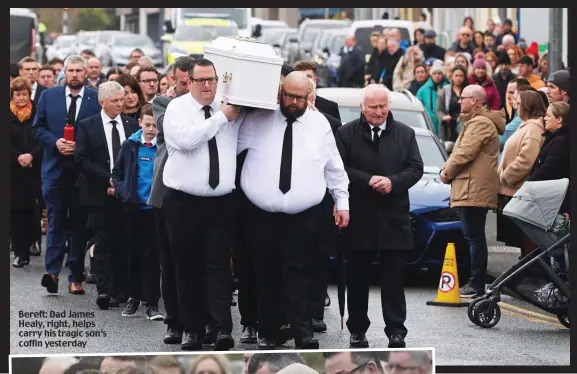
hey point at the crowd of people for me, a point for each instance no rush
(418, 362)
(167, 188)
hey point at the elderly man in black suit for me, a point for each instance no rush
(98, 142)
(382, 160)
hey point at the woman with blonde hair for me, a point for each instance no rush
(463, 60)
(519, 156)
(210, 364)
(404, 72)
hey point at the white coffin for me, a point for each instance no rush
(248, 71)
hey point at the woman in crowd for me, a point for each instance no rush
(25, 163)
(479, 40)
(469, 22)
(542, 70)
(553, 160)
(448, 106)
(162, 84)
(113, 73)
(404, 73)
(482, 78)
(419, 36)
(519, 156)
(492, 60)
(421, 76)
(133, 96)
(514, 53)
(462, 59)
(428, 93)
(210, 363)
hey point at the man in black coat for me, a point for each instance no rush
(352, 70)
(383, 162)
(430, 47)
(98, 142)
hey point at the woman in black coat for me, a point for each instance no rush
(553, 160)
(25, 163)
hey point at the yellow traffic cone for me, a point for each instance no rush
(448, 291)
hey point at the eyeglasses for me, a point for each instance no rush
(149, 81)
(291, 97)
(467, 97)
(355, 370)
(201, 81)
(398, 368)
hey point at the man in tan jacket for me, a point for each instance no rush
(472, 172)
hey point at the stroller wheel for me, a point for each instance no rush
(564, 320)
(471, 309)
(486, 314)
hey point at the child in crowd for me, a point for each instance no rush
(132, 180)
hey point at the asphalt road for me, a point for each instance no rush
(522, 337)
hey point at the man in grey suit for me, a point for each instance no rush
(180, 69)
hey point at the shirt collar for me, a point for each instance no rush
(383, 126)
(67, 91)
(198, 107)
(106, 120)
(142, 140)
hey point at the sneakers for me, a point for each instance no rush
(153, 314)
(468, 291)
(131, 308)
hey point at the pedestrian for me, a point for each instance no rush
(421, 77)
(379, 191)
(25, 164)
(113, 73)
(419, 37)
(323, 105)
(359, 362)
(489, 41)
(514, 53)
(283, 206)
(29, 69)
(404, 71)
(553, 160)
(507, 27)
(377, 61)
(502, 79)
(94, 76)
(464, 41)
(448, 106)
(483, 79)
(269, 363)
(135, 55)
(464, 59)
(352, 66)
(133, 97)
(430, 48)
(98, 141)
(199, 208)
(210, 363)
(559, 85)
(472, 172)
(162, 84)
(417, 361)
(66, 218)
(181, 68)
(87, 54)
(428, 94)
(47, 76)
(147, 77)
(519, 156)
(526, 71)
(57, 64)
(392, 56)
(514, 87)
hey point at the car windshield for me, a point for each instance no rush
(85, 38)
(134, 41)
(363, 36)
(311, 34)
(409, 117)
(431, 154)
(203, 33)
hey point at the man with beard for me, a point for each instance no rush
(430, 47)
(58, 105)
(180, 69)
(283, 204)
(502, 79)
(480, 77)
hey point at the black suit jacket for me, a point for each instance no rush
(39, 90)
(91, 155)
(328, 107)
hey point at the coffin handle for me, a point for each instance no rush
(227, 77)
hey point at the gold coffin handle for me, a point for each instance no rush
(227, 77)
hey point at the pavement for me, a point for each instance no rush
(525, 335)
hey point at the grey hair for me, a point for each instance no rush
(275, 361)
(75, 59)
(107, 89)
(421, 358)
(372, 87)
(508, 39)
(145, 60)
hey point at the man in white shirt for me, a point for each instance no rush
(292, 158)
(199, 208)
(29, 69)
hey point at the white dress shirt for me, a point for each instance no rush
(108, 132)
(78, 101)
(316, 162)
(34, 89)
(186, 134)
(381, 127)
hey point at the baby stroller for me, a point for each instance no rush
(542, 277)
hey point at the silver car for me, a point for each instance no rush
(122, 44)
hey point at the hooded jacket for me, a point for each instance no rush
(428, 95)
(491, 91)
(472, 166)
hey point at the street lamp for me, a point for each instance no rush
(65, 21)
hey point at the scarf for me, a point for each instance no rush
(21, 113)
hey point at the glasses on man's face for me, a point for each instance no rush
(355, 370)
(398, 368)
(291, 97)
(201, 81)
(149, 81)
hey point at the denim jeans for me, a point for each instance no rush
(473, 225)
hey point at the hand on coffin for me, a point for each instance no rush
(230, 111)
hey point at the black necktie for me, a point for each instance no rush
(376, 138)
(72, 108)
(214, 173)
(115, 141)
(286, 159)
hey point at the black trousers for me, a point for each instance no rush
(23, 229)
(245, 269)
(281, 245)
(110, 248)
(200, 230)
(325, 244)
(168, 274)
(143, 257)
(394, 307)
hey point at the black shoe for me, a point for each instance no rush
(209, 335)
(285, 334)
(248, 335)
(266, 344)
(131, 308)
(114, 303)
(224, 342)
(397, 341)
(34, 250)
(20, 262)
(469, 291)
(307, 343)
(191, 342)
(90, 278)
(319, 325)
(327, 300)
(153, 314)
(173, 336)
(103, 301)
(358, 340)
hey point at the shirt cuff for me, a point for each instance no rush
(342, 204)
(219, 118)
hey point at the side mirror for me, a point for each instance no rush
(327, 51)
(293, 39)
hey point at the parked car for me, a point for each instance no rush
(278, 38)
(308, 31)
(327, 56)
(116, 51)
(362, 31)
(60, 48)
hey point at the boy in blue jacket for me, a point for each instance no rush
(132, 180)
